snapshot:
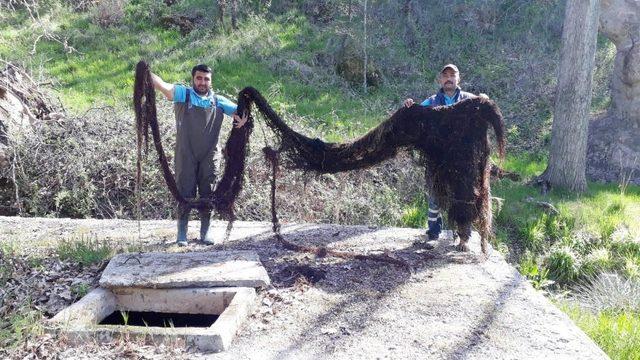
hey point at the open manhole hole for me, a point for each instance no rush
(201, 298)
(159, 319)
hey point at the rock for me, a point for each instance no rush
(179, 270)
(613, 153)
(613, 150)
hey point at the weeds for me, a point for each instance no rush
(19, 325)
(125, 317)
(617, 333)
(84, 250)
(609, 292)
(562, 264)
(537, 275)
(79, 290)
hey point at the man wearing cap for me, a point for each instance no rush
(449, 94)
(199, 114)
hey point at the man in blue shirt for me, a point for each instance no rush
(449, 94)
(199, 115)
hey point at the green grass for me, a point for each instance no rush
(101, 71)
(618, 334)
(79, 290)
(84, 250)
(593, 231)
(19, 325)
(262, 51)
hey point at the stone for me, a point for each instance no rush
(180, 270)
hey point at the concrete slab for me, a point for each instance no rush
(80, 321)
(179, 270)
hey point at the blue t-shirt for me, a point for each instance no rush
(180, 95)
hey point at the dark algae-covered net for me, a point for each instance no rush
(453, 142)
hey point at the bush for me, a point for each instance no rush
(609, 292)
(108, 13)
(563, 265)
(537, 275)
(598, 261)
(533, 236)
(631, 267)
(77, 203)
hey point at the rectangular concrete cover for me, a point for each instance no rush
(178, 270)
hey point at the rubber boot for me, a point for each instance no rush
(206, 234)
(434, 229)
(182, 232)
(434, 220)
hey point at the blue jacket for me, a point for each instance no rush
(441, 98)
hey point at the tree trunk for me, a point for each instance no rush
(567, 159)
(234, 14)
(221, 6)
(364, 45)
(409, 29)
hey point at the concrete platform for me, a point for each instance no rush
(450, 306)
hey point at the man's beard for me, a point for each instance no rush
(199, 92)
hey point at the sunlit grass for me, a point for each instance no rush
(618, 334)
(84, 250)
(594, 231)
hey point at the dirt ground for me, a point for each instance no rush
(449, 305)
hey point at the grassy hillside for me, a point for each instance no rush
(289, 51)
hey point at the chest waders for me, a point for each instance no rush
(196, 159)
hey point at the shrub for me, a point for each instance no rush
(108, 13)
(533, 236)
(562, 265)
(537, 275)
(414, 217)
(631, 267)
(599, 260)
(609, 292)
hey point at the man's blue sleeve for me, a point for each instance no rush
(228, 106)
(179, 93)
(426, 102)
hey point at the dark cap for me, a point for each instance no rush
(450, 66)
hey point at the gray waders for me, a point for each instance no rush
(196, 160)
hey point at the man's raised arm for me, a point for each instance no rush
(163, 87)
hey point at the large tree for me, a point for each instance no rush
(567, 157)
